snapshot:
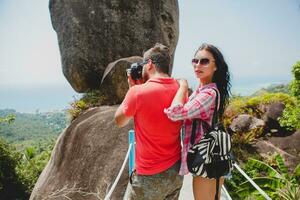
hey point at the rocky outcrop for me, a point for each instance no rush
(86, 159)
(114, 85)
(92, 34)
(272, 112)
(287, 146)
(244, 123)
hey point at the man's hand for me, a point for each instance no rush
(132, 82)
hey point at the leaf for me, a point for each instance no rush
(265, 183)
(29, 153)
(289, 192)
(297, 171)
(263, 167)
(282, 167)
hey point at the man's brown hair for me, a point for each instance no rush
(160, 56)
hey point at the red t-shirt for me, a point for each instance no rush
(157, 137)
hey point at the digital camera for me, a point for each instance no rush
(136, 70)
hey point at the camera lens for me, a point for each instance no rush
(135, 71)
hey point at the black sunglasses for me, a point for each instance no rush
(202, 61)
(144, 62)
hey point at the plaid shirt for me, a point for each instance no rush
(200, 105)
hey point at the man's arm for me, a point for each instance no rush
(120, 118)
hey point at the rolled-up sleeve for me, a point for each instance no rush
(130, 102)
(197, 107)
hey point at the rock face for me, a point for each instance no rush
(288, 147)
(245, 122)
(86, 159)
(92, 34)
(273, 112)
(114, 84)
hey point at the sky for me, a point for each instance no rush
(260, 40)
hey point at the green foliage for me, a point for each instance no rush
(90, 99)
(34, 160)
(297, 173)
(289, 192)
(294, 88)
(291, 115)
(268, 98)
(295, 84)
(9, 118)
(253, 106)
(242, 143)
(94, 98)
(77, 107)
(11, 186)
(20, 169)
(29, 128)
(271, 179)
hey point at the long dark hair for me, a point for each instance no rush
(221, 76)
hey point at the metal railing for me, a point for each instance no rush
(224, 190)
(252, 182)
(130, 155)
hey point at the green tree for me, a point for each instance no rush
(19, 170)
(34, 160)
(295, 84)
(291, 114)
(9, 118)
(11, 186)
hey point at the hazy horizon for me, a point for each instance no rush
(31, 99)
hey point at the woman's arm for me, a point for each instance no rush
(182, 93)
(197, 107)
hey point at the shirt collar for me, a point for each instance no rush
(161, 80)
(210, 85)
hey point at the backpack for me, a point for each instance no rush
(211, 156)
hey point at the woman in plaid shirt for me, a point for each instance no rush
(212, 71)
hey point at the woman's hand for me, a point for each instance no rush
(183, 84)
(182, 92)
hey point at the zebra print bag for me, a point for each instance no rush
(211, 156)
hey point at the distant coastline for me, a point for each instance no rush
(57, 98)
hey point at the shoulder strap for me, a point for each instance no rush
(214, 119)
(194, 126)
(215, 116)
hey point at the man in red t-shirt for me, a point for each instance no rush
(157, 138)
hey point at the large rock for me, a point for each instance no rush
(272, 112)
(92, 34)
(287, 146)
(114, 84)
(244, 123)
(86, 159)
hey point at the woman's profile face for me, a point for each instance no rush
(204, 65)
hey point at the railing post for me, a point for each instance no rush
(131, 140)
